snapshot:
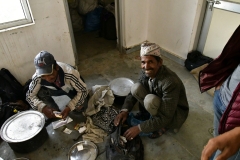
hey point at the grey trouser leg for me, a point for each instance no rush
(150, 101)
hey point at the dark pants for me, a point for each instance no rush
(45, 94)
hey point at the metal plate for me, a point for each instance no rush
(121, 86)
(83, 150)
(22, 126)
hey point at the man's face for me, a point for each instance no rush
(150, 65)
(52, 77)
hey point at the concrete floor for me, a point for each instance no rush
(99, 63)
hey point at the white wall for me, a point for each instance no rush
(135, 22)
(51, 32)
(171, 24)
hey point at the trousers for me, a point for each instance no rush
(219, 108)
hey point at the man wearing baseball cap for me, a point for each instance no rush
(161, 95)
(55, 86)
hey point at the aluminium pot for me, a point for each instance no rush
(25, 131)
(121, 87)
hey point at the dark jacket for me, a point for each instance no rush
(217, 72)
(174, 106)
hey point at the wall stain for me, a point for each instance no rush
(14, 33)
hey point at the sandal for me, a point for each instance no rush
(157, 134)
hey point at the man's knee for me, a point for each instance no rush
(138, 91)
(152, 103)
(135, 88)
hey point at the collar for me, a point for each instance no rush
(61, 76)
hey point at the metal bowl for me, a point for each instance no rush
(83, 150)
(121, 86)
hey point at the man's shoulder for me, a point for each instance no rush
(35, 76)
(67, 68)
(61, 64)
(164, 73)
(167, 76)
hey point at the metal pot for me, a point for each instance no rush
(121, 87)
(24, 131)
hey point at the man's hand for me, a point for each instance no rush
(228, 143)
(121, 117)
(48, 112)
(79, 108)
(21, 105)
(131, 132)
(65, 112)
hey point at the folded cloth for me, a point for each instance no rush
(93, 133)
(102, 96)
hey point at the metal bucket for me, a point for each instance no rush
(121, 87)
(25, 131)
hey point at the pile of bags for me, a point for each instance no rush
(90, 15)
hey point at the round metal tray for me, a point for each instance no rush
(121, 86)
(83, 150)
(22, 126)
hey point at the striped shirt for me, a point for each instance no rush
(70, 80)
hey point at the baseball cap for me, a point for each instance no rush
(44, 62)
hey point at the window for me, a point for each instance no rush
(15, 14)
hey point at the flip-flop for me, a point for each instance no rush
(157, 134)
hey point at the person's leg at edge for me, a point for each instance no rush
(218, 108)
(234, 157)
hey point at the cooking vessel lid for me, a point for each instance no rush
(22, 126)
(84, 150)
(121, 86)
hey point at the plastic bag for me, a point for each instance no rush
(92, 20)
(85, 6)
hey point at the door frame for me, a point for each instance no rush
(224, 5)
(119, 24)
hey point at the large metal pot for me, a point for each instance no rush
(121, 87)
(24, 131)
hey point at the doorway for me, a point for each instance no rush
(221, 20)
(93, 23)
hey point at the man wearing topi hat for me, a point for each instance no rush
(161, 95)
(55, 86)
